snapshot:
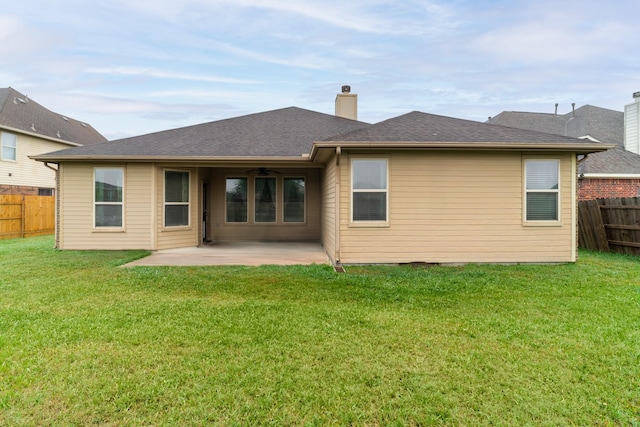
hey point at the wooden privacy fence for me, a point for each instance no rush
(26, 216)
(610, 225)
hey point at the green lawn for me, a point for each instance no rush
(84, 342)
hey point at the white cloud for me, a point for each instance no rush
(161, 74)
(547, 42)
(17, 40)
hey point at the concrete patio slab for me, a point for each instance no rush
(238, 253)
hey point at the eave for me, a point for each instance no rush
(209, 160)
(483, 146)
(39, 136)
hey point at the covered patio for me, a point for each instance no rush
(238, 253)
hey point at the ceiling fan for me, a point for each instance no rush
(262, 171)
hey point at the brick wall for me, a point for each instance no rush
(599, 188)
(19, 190)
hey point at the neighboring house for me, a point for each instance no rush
(414, 188)
(28, 129)
(612, 173)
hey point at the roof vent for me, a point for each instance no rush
(84, 125)
(33, 127)
(64, 118)
(58, 133)
(636, 96)
(346, 89)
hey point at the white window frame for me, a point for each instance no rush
(526, 191)
(369, 223)
(304, 214)
(165, 203)
(121, 203)
(4, 137)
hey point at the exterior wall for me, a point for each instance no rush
(24, 172)
(458, 207)
(177, 237)
(632, 126)
(328, 191)
(75, 197)
(603, 188)
(220, 230)
(21, 190)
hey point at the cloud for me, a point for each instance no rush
(17, 40)
(550, 32)
(549, 43)
(364, 16)
(161, 74)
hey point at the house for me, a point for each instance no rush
(611, 173)
(415, 188)
(26, 129)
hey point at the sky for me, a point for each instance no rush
(131, 67)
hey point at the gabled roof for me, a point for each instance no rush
(284, 133)
(19, 113)
(598, 123)
(424, 130)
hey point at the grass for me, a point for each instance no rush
(84, 342)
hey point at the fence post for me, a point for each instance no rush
(23, 221)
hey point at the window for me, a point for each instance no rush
(176, 198)
(369, 190)
(293, 199)
(46, 191)
(542, 190)
(9, 146)
(236, 199)
(108, 197)
(265, 199)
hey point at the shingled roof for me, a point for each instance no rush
(617, 161)
(599, 123)
(421, 127)
(291, 133)
(19, 113)
(286, 132)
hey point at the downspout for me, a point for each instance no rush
(575, 209)
(586, 156)
(337, 207)
(579, 162)
(57, 210)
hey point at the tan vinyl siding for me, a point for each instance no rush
(450, 207)
(76, 205)
(27, 172)
(220, 230)
(328, 191)
(177, 237)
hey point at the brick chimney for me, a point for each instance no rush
(347, 104)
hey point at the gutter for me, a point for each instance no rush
(611, 175)
(41, 136)
(441, 145)
(302, 160)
